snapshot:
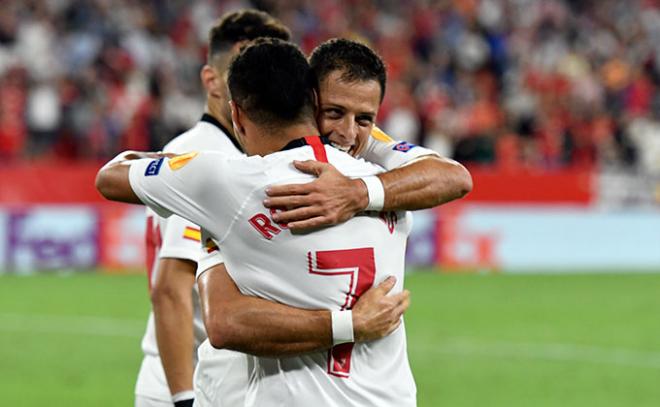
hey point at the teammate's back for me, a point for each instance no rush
(324, 269)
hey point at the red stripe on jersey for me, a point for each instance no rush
(154, 241)
(317, 146)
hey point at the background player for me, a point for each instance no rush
(271, 109)
(175, 328)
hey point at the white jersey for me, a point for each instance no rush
(327, 269)
(177, 238)
(389, 153)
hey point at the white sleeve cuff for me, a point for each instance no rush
(208, 260)
(136, 180)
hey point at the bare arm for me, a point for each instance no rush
(264, 328)
(172, 301)
(333, 198)
(425, 183)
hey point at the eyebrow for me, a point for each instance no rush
(328, 105)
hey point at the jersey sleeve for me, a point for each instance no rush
(389, 153)
(210, 254)
(181, 239)
(184, 187)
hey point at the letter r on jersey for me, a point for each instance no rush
(264, 226)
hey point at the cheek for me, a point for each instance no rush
(361, 140)
(326, 126)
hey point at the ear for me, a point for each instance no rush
(211, 80)
(238, 46)
(236, 118)
(315, 101)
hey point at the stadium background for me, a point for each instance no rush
(547, 291)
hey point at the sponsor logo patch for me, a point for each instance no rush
(404, 147)
(154, 167)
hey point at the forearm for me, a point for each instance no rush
(174, 334)
(112, 182)
(264, 328)
(172, 300)
(257, 326)
(425, 183)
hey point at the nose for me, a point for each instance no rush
(348, 131)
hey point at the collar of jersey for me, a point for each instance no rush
(212, 120)
(301, 142)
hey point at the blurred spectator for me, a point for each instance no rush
(512, 83)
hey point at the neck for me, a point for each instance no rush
(214, 108)
(271, 141)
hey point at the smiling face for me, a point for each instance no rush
(347, 111)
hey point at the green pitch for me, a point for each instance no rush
(474, 340)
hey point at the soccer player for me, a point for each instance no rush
(329, 268)
(351, 81)
(175, 328)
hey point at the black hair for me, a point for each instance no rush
(271, 81)
(355, 61)
(244, 25)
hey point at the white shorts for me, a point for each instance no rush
(151, 388)
(221, 377)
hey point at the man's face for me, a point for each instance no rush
(347, 111)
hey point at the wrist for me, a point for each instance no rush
(183, 398)
(342, 327)
(375, 193)
(360, 195)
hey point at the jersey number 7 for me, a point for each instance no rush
(359, 266)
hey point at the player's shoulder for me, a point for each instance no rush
(202, 136)
(235, 169)
(379, 136)
(280, 163)
(349, 165)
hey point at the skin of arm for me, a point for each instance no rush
(333, 198)
(112, 182)
(263, 328)
(171, 296)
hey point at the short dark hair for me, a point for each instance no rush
(356, 62)
(271, 81)
(244, 25)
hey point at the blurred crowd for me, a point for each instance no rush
(509, 83)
